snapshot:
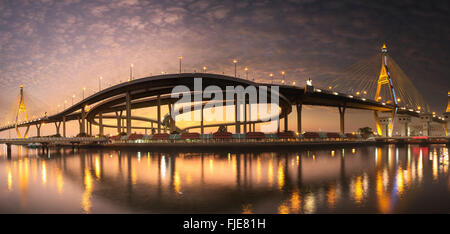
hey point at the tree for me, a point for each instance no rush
(365, 131)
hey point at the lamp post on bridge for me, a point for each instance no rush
(180, 58)
(84, 89)
(100, 83)
(246, 72)
(283, 73)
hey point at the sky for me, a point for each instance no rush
(55, 48)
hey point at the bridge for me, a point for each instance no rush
(116, 102)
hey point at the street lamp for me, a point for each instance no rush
(235, 65)
(100, 83)
(283, 73)
(204, 69)
(84, 89)
(180, 58)
(271, 77)
(246, 72)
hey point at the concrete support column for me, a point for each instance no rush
(128, 106)
(119, 121)
(377, 123)
(447, 121)
(245, 115)
(425, 119)
(172, 126)
(159, 114)
(341, 118)
(250, 117)
(404, 121)
(202, 128)
(100, 124)
(299, 118)
(278, 124)
(64, 126)
(90, 128)
(79, 124)
(38, 129)
(237, 117)
(8, 151)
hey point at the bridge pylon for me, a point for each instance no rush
(23, 110)
(385, 79)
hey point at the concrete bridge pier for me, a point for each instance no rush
(128, 110)
(202, 128)
(100, 124)
(79, 123)
(57, 125)
(64, 126)
(237, 115)
(38, 129)
(342, 119)
(425, 119)
(245, 115)
(299, 118)
(8, 151)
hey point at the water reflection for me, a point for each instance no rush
(386, 179)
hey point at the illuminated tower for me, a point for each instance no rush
(21, 109)
(385, 79)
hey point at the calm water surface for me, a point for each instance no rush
(388, 179)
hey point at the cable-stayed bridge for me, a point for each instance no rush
(389, 92)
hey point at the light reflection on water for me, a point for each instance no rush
(388, 179)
